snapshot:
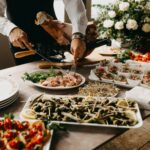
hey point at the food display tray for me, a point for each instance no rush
(138, 115)
(48, 143)
(93, 77)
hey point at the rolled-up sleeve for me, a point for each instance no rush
(6, 26)
(77, 14)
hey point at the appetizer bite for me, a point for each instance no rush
(108, 76)
(15, 134)
(113, 69)
(136, 71)
(121, 79)
(125, 69)
(104, 63)
(100, 71)
(134, 79)
(146, 79)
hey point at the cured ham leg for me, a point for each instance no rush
(62, 36)
(50, 26)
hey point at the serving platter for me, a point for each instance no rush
(60, 87)
(47, 143)
(25, 113)
(107, 51)
(93, 77)
(127, 75)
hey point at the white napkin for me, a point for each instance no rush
(115, 44)
(93, 76)
(141, 95)
(68, 57)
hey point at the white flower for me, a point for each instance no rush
(131, 24)
(147, 19)
(124, 6)
(112, 14)
(146, 27)
(108, 23)
(138, 1)
(141, 7)
(119, 25)
(147, 6)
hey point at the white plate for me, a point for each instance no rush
(10, 100)
(138, 115)
(59, 87)
(8, 88)
(47, 145)
(7, 104)
(105, 50)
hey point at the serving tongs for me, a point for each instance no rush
(55, 52)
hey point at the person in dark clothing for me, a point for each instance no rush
(18, 24)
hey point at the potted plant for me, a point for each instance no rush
(127, 21)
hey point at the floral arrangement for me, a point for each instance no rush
(126, 20)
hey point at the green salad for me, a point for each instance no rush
(39, 75)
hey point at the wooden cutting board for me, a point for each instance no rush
(93, 58)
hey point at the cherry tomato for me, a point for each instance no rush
(10, 134)
(38, 126)
(39, 138)
(30, 145)
(147, 55)
(25, 125)
(33, 132)
(19, 126)
(1, 124)
(7, 123)
(116, 61)
(102, 70)
(2, 144)
(14, 144)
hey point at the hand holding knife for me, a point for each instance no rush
(46, 52)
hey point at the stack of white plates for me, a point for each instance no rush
(9, 92)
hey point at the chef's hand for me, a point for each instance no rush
(19, 38)
(78, 48)
(59, 24)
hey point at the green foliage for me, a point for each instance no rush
(125, 55)
(39, 75)
(11, 116)
(55, 126)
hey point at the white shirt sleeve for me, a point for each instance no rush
(77, 14)
(5, 25)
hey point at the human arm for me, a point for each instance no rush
(77, 14)
(6, 26)
(16, 36)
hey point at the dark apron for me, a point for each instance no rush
(23, 13)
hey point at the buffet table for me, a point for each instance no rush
(76, 137)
